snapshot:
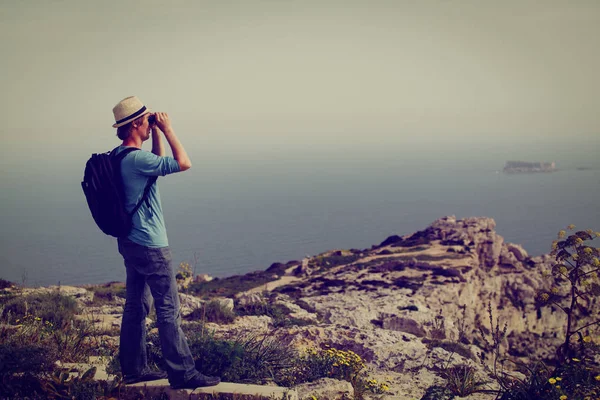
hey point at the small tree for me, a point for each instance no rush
(576, 285)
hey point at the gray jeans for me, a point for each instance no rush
(149, 273)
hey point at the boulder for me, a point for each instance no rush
(518, 251)
(226, 303)
(246, 298)
(188, 303)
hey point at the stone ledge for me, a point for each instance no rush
(241, 391)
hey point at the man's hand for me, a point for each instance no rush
(164, 124)
(162, 121)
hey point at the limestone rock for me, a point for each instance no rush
(326, 388)
(189, 303)
(250, 298)
(403, 324)
(226, 303)
(519, 252)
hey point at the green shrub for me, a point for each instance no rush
(273, 310)
(576, 282)
(462, 380)
(153, 353)
(19, 358)
(4, 284)
(107, 294)
(278, 312)
(54, 307)
(71, 342)
(254, 359)
(213, 311)
(333, 363)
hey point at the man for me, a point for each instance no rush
(146, 251)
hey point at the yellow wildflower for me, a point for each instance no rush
(563, 397)
(589, 231)
(574, 256)
(597, 234)
(545, 296)
(587, 339)
(579, 240)
(563, 270)
(596, 262)
(576, 359)
(562, 234)
(558, 378)
(554, 245)
(554, 290)
(597, 377)
(571, 227)
(552, 381)
(588, 250)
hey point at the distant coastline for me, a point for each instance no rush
(520, 167)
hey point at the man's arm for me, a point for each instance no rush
(179, 153)
(158, 147)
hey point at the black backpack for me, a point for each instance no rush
(103, 188)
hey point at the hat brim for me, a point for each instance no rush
(147, 111)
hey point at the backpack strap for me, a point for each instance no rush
(145, 195)
(119, 158)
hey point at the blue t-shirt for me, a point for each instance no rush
(148, 222)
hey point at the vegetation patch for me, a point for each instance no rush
(326, 262)
(108, 294)
(213, 311)
(21, 358)
(278, 312)
(54, 307)
(253, 359)
(230, 286)
(4, 284)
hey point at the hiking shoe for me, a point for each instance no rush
(145, 377)
(198, 381)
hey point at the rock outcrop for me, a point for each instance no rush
(406, 306)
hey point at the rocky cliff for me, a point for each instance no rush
(389, 303)
(405, 305)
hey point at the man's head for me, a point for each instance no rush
(132, 116)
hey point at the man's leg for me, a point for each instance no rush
(133, 327)
(163, 286)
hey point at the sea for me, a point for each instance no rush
(232, 216)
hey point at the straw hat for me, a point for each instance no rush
(127, 110)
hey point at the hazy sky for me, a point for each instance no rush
(252, 74)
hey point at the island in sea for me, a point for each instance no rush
(517, 167)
